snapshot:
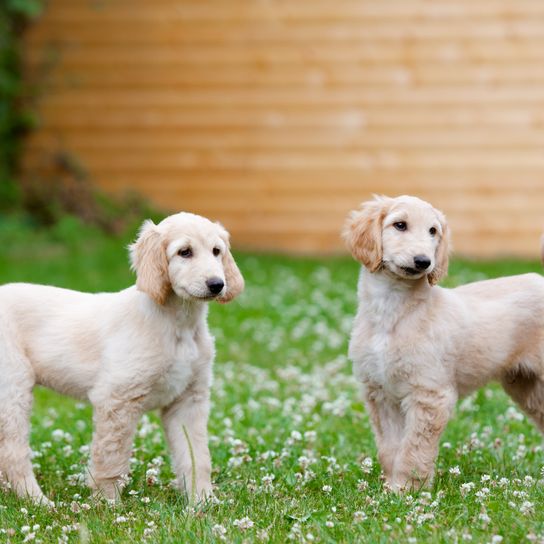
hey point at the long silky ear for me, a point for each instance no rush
(148, 256)
(363, 232)
(233, 277)
(442, 252)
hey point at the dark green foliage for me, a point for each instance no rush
(15, 120)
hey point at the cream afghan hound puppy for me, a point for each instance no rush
(143, 348)
(417, 348)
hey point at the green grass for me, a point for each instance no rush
(286, 422)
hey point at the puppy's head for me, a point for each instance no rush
(188, 256)
(405, 236)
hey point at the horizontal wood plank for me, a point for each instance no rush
(279, 117)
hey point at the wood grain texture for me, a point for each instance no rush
(278, 117)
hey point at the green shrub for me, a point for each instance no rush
(15, 120)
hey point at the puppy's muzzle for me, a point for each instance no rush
(215, 285)
(422, 262)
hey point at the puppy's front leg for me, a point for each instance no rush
(114, 428)
(186, 425)
(427, 413)
(387, 423)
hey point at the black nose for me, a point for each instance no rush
(422, 262)
(215, 285)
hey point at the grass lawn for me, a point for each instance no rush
(293, 454)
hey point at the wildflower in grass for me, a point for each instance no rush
(327, 488)
(466, 488)
(359, 516)
(219, 531)
(362, 485)
(243, 524)
(527, 508)
(485, 478)
(366, 465)
(267, 480)
(304, 462)
(528, 481)
(152, 476)
(496, 539)
(482, 493)
(329, 523)
(455, 471)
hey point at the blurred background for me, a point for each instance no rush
(277, 117)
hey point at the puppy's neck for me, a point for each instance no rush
(386, 299)
(180, 313)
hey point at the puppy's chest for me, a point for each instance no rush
(377, 359)
(178, 372)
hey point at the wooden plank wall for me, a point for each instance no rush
(279, 116)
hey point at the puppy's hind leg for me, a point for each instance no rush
(16, 383)
(527, 390)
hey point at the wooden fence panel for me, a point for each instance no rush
(279, 117)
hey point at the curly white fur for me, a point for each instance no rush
(417, 348)
(145, 347)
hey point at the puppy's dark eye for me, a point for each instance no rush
(216, 251)
(432, 231)
(400, 225)
(185, 253)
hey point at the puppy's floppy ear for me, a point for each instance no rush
(363, 232)
(442, 252)
(233, 277)
(148, 256)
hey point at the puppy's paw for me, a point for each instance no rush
(107, 489)
(202, 490)
(42, 500)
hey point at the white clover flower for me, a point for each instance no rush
(329, 523)
(219, 531)
(485, 478)
(495, 539)
(482, 493)
(527, 508)
(366, 465)
(362, 485)
(57, 435)
(455, 471)
(305, 462)
(267, 479)
(327, 488)
(359, 516)
(243, 524)
(466, 488)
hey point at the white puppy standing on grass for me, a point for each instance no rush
(143, 348)
(417, 348)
